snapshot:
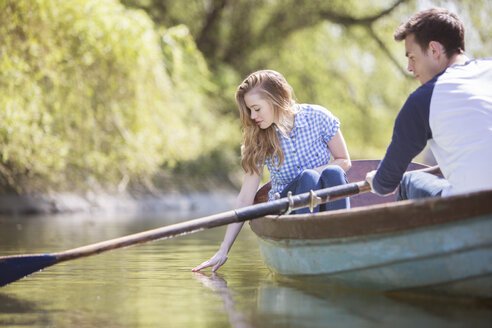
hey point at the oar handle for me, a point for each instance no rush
(360, 187)
(294, 202)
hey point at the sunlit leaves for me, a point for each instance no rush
(85, 95)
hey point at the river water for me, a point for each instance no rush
(152, 285)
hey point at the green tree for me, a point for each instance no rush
(91, 92)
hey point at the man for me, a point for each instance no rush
(451, 110)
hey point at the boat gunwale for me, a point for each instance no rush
(375, 219)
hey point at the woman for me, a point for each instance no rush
(295, 141)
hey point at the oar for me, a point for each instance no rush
(15, 267)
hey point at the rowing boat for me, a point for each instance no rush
(439, 245)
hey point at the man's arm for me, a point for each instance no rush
(410, 134)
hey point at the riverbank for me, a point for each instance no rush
(57, 203)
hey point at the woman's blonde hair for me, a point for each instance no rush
(259, 144)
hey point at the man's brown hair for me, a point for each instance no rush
(434, 24)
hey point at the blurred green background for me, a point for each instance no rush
(139, 94)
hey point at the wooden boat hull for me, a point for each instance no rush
(439, 244)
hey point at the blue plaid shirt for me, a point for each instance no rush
(305, 148)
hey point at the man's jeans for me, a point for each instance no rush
(415, 185)
(308, 180)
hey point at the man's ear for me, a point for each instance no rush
(436, 49)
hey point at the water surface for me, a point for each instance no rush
(152, 285)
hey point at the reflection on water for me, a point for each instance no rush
(294, 305)
(152, 285)
(216, 283)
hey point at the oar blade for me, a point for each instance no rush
(16, 267)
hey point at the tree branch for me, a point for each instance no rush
(208, 39)
(366, 21)
(387, 52)
(282, 24)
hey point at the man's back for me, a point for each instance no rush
(460, 118)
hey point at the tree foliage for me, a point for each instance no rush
(85, 95)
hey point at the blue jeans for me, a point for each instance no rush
(415, 185)
(308, 180)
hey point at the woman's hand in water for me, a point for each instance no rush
(216, 261)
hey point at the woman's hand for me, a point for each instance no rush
(246, 197)
(216, 261)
